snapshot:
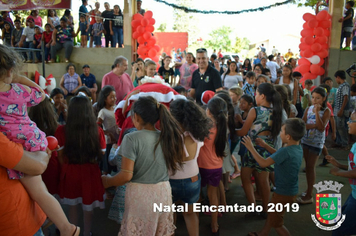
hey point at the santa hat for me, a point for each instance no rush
(206, 96)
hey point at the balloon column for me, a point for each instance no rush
(142, 28)
(314, 46)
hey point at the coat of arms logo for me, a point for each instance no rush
(328, 206)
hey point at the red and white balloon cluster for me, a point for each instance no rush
(314, 46)
(142, 28)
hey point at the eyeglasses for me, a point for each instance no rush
(200, 50)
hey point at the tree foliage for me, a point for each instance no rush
(306, 3)
(220, 38)
(241, 44)
(162, 27)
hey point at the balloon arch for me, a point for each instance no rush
(314, 46)
(142, 28)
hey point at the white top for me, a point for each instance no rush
(273, 67)
(109, 123)
(230, 80)
(291, 85)
(190, 168)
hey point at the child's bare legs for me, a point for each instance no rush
(246, 173)
(225, 179)
(221, 194)
(38, 192)
(263, 183)
(236, 167)
(192, 221)
(310, 162)
(348, 41)
(87, 215)
(271, 178)
(214, 201)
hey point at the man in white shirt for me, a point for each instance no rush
(27, 37)
(273, 67)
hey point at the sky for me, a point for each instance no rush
(256, 26)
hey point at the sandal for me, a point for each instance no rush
(303, 202)
(76, 231)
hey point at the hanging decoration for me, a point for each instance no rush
(314, 46)
(190, 10)
(142, 28)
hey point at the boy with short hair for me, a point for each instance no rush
(347, 25)
(348, 227)
(341, 109)
(98, 29)
(306, 99)
(287, 161)
(16, 34)
(331, 97)
(249, 87)
(37, 38)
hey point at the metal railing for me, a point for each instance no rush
(31, 50)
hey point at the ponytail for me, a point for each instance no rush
(283, 91)
(218, 108)
(171, 134)
(273, 97)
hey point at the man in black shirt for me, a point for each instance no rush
(205, 77)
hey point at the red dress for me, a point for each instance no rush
(81, 183)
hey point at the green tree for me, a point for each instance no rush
(220, 38)
(186, 22)
(306, 3)
(240, 44)
(162, 27)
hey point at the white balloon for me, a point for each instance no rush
(314, 59)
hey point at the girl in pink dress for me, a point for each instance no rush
(16, 93)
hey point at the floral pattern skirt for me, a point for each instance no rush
(139, 217)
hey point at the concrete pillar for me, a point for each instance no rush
(336, 8)
(127, 22)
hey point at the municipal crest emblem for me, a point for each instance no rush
(206, 80)
(328, 206)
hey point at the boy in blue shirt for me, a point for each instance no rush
(249, 87)
(88, 80)
(287, 161)
(348, 227)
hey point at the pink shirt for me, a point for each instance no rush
(38, 20)
(122, 84)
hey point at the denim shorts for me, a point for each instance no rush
(311, 149)
(97, 40)
(185, 190)
(39, 233)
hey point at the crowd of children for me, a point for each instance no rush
(189, 159)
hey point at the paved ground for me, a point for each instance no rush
(299, 223)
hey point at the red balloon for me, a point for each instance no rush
(156, 59)
(148, 14)
(322, 15)
(137, 16)
(315, 69)
(307, 76)
(141, 30)
(308, 53)
(325, 24)
(141, 40)
(316, 47)
(150, 28)
(321, 39)
(308, 17)
(152, 21)
(313, 23)
(147, 36)
(327, 33)
(302, 39)
(152, 53)
(304, 68)
(321, 62)
(304, 46)
(322, 71)
(323, 53)
(307, 32)
(319, 31)
(152, 41)
(157, 47)
(135, 35)
(306, 26)
(325, 46)
(309, 40)
(303, 61)
(144, 22)
(302, 53)
(135, 23)
(52, 142)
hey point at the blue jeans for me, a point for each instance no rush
(38, 54)
(341, 131)
(29, 45)
(348, 227)
(39, 233)
(47, 51)
(97, 40)
(118, 36)
(186, 190)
